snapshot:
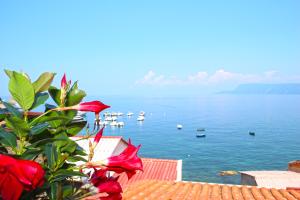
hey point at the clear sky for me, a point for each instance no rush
(152, 47)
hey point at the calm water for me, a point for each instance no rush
(227, 120)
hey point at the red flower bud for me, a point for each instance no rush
(98, 136)
(18, 175)
(63, 82)
(92, 106)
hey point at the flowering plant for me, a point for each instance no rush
(39, 160)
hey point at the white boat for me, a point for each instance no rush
(200, 135)
(120, 114)
(129, 114)
(179, 126)
(81, 113)
(106, 114)
(114, 123)
(104, 123)
(108, 118)
(142, 113)
(80, 116)
(114, 114)
(120, 124)
(140, 118)
(114, 118)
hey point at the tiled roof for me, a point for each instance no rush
(156, 190)
(155, 169)
(275, 179)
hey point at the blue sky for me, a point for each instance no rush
(152, 47)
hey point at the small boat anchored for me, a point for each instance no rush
(200, 129)
(251, 133)
(142, 113)
(200, 135)
(129, 114)
(179, 126)
(140, 118)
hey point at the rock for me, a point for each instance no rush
(228, 173)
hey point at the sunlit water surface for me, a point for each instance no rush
(227, 120)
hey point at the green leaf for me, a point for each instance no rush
(42, 142)
(2, 116)
(43, 82)
(65, 144)
(79, 151)
(49, 119)
(70, 147)
(57, 123)
(8, 139)
(76, 159)
(55, 94)
(39, 128)
(51, 155)
(40, 98)
(8, 73)
(31, 154)
(75, 127)
(12, 109)
(22, 90)
(75, 95)
(19, 126)
(67, 191)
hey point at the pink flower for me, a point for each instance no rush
(127, 161)
(18, 175)
(110, 186)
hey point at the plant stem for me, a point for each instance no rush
(45, 113)
(59, 192)
(26, 115)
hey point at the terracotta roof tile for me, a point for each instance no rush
(154, 169)
(156, 190)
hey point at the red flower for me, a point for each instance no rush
(33, 172)
(110, 185)
(127, 161)
(92, 106)
(18, 175)
(63, 82)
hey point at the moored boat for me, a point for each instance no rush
(179, 126)
(252, 133)
(200, 135)
(140, 118)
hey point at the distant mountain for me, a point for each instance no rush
(258, 88)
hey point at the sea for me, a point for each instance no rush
(227, 120)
